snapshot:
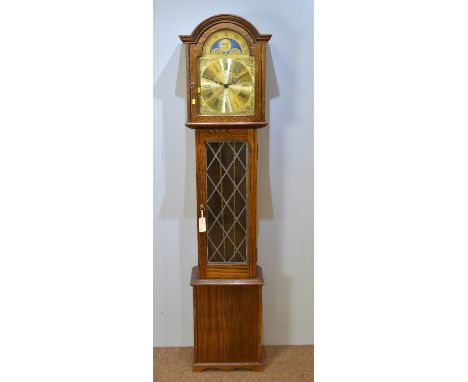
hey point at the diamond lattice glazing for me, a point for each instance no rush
(226, 201)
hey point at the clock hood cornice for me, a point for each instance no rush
(217, 19)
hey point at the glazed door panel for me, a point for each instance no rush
(226, 192)
(226, 202)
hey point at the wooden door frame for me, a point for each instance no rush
(217, 271)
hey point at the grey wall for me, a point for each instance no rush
(285, 170)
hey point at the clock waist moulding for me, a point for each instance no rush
(225, 57)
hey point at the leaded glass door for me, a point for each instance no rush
(226, 202)
(226, 190)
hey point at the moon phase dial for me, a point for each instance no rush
(226, 86)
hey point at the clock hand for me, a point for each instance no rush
(219, 83)
(213, 80)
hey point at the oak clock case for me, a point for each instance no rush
(225, 57)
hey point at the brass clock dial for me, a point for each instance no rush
(227, 86)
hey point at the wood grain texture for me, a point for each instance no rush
(221, 271)
(201, 198)
(216, 19)
(228, 325)
(187, 78)
(249, 269)
(252, 203)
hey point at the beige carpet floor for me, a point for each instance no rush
(282, 364)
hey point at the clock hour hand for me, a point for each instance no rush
(220, 83)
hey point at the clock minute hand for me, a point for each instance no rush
(213, 80)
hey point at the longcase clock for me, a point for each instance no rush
(225, 57)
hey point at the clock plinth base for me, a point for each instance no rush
(228, 323)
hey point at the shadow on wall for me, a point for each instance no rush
(170, 88)
(276, 292)
(264, 197)
(173, 77)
